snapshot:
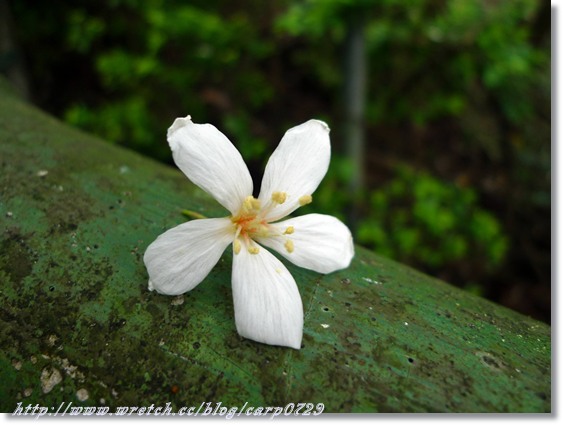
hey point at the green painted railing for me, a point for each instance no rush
(77, 323)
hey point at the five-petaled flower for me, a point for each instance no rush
(267, 303)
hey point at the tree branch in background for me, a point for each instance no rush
(355, 70)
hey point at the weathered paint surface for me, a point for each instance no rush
(77, 322)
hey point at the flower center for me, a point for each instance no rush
(250, 222)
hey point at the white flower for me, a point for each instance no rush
(267, 303)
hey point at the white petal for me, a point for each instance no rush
(179, 259)
(210, 161)
(319, 242)
(296, 167)
(268, 306)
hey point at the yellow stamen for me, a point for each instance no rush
(305, 199)
(279, 197)
(256, 204)
(289, 246)
(289, 230)
(236, 246)
(254, 250)
(250, 204)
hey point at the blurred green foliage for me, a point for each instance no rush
(152, 61)
(419, 219)
(457, 112)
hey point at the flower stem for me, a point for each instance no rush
(192, 214)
